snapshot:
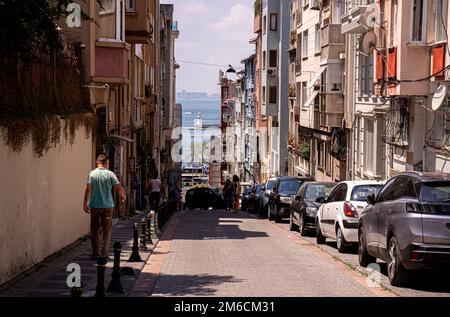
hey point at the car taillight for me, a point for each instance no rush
(414, 208)
(350, 210)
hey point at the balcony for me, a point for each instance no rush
(139, 23)
(353, 23)
(111, 62)
(332, 41)
(269, 110)
(331, 120)
(257, 24)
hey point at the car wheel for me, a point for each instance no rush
(363, 255)
(292, 226)
(398, 275)
(320, 237)
(277, 215)
(342, 245)
(269, 213)
(301, 226)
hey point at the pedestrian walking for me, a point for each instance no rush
(176, 194)
(99, 203)
(227, 194)
(236, 193)
(155, 189)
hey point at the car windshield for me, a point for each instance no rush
(438, 192)
(259, 189)
(270, 185)
(318, 191)
(290, 187)
(360, 193)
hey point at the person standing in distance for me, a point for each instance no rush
(99, 203)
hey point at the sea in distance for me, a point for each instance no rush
(196, 141)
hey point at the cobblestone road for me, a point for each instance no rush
(214, 253)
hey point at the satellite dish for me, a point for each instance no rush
(439, 97)
(369, 43)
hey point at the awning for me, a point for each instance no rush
(316, 77)
(311, 99)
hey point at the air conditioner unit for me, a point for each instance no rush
(272, 72)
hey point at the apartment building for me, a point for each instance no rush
(275, 80)
(170, 170)
(249, 120)
(404, 127)
(108, 70)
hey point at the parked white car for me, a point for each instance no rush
(338, 217)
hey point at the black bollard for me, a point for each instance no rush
(116, 285)
(135, 256)
(101, 267)
(143, 245)
(149, 230)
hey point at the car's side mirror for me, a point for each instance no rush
(371, 199)
(298, 198)
(321, 200)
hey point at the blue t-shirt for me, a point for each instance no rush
(102, 181)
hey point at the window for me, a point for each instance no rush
(264, 59)
(402, 187)
(394, 22)
(385, 191)
(319, 154)
(419, 21)
(273, 94)
(338, 194)
(131, 5)
(107, 6)
(274, 22)
(328, 159)
(441, 7)
(366, 75)
(318, 45)
(265, 24)
(305, 44)
(273, 58)
(264, 94)
(360, 193)
(369, 147)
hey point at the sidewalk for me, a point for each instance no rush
(48, 279)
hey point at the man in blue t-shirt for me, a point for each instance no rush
(99, 203)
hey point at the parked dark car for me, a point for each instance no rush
(257, 197)
(247, 198)
(407, 225)
(204, 198)
(305, 206)
(284, 190)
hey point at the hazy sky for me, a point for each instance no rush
(213, 32)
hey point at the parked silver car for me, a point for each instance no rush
(407, 225)
(268, 188)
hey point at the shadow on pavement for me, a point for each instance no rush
(190, 285)
(214, 225)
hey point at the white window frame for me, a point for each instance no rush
(423, 31)
(443, 6)
(318, 42)
(305, 38)
(369, 157)
(131, 5)
(119, 11)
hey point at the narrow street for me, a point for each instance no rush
(214, 253)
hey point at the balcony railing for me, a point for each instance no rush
(331, 119)
(111, 62)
